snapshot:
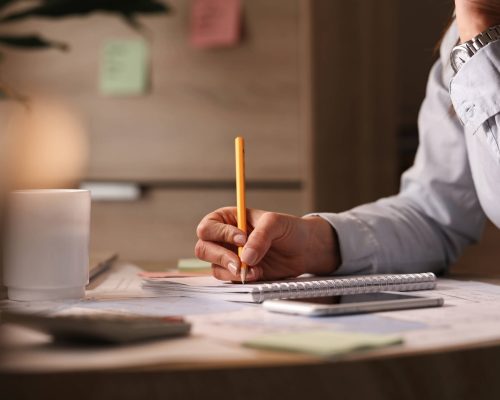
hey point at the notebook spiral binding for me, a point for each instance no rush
(348, 285)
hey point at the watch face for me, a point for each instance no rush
(459, 57)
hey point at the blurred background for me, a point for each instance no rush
(141, 100)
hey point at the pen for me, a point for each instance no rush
(241, 210)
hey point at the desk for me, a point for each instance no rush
(453, 372)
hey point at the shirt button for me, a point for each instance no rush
(469, 112)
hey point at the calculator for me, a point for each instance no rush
(100, 327)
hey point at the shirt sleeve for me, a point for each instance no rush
(475, 93)
(437, 212)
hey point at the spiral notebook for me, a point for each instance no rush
(207, 286)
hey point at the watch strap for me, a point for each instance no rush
(481, 40)
(475, 44)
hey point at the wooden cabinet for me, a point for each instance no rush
(310, 87)
(162, 225)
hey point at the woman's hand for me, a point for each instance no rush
(475, 16)
(278, 246)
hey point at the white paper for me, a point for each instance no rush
(471, 314)
(28, 351)
(123, 280)
(159, 307)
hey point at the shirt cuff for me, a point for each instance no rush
(357, 243)
(475, 89)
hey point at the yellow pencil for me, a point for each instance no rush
(241, 210)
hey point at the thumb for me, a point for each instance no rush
(269, 227)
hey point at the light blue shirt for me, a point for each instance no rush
(452, 186)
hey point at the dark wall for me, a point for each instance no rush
(421, 23)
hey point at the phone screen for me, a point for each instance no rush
(355, 298)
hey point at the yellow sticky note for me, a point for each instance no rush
(193, 265)
(124, 68)
(322, 343)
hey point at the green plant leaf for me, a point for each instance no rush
(65, 8)
(31, 42)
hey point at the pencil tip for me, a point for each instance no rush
(243, 275)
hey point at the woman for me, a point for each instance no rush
(444, 198)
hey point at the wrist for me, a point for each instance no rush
(323, 253)
(474, 18)
(471, 29)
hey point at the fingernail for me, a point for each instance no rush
(233, 267)
(249, 256)
(240, 239)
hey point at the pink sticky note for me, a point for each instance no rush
(170, 274)
(215, 23)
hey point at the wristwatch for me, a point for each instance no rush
(463, 52)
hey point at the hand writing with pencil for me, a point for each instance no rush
(278, 246)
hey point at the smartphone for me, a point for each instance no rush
(351, 304)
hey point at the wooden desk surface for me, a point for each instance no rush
(453, 372)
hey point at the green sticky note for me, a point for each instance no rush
(322, 343)
(124, 68)
(193, 265)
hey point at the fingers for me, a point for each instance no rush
(223, 274)
(218, 229)
(218, 255)
(269, 227)
(254, 274)
(214, 228)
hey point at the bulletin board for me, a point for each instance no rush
(198, 100)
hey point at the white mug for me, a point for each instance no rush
(47, 244)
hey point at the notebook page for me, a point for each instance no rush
(200, 283)
(209, 284)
